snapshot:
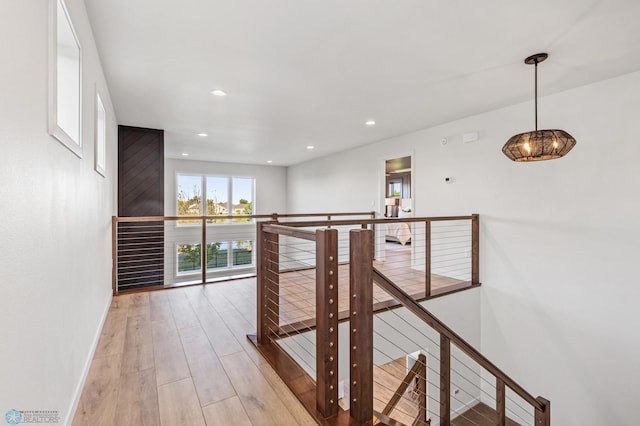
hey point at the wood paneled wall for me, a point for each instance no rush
(140, 171)
(140, 193)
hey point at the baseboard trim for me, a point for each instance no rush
(87, 365)
(465, 407)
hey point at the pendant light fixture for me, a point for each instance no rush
(539, 144)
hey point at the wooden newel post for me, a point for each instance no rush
(268, 289)
(327, 322)
(543, 417)
(361, 325)
(203, 250)
(445, 380)
(475, 249)
(422, 419)
(501, 403)
(427, 252)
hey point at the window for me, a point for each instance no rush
(225, 196)
(242, 252)
(217, 196)
(242, 198)
(395, 188)
(189, 197)
(217, 256)
(189, 258)
(232, 246)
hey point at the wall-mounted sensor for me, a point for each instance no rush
(470, 137)
(448, 179)
(443, 141)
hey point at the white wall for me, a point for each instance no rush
(270, 190)
(558, 238)
(55, 221)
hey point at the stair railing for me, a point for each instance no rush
(361, 378)
(327, 254)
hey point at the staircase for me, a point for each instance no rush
(452, 384)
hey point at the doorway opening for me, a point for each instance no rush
(397, 196)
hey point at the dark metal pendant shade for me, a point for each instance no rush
(538, 145)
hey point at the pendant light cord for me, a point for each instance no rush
(536, 93)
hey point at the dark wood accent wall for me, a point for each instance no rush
(140, 193)
(140, 172)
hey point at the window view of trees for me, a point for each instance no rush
(242, 252)
(214, 196)
(189, 197)
(217, 196)
(217, 255)
(190, 255)
(189, 203)
(242, 197)
(224, 196)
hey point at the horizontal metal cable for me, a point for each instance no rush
(437, 359)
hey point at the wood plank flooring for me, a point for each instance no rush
(180, 357)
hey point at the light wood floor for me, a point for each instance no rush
(180, 357)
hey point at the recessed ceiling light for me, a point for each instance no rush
(310, 146)
(269, 161)
(185, 154)
(218, 92)
(370, 123)
(202, 134)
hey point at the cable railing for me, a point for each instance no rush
(166, 251)
(340, 318)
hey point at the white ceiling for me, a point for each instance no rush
(311, 72)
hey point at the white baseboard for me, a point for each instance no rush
(465, 407)
(87, 365)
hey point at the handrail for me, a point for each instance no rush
(426, 316)
(290, 232)
(376, 221)
(273, 216)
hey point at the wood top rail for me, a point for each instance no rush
(312, 223)
(441, 328)
(290, 232)
(272, 216)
